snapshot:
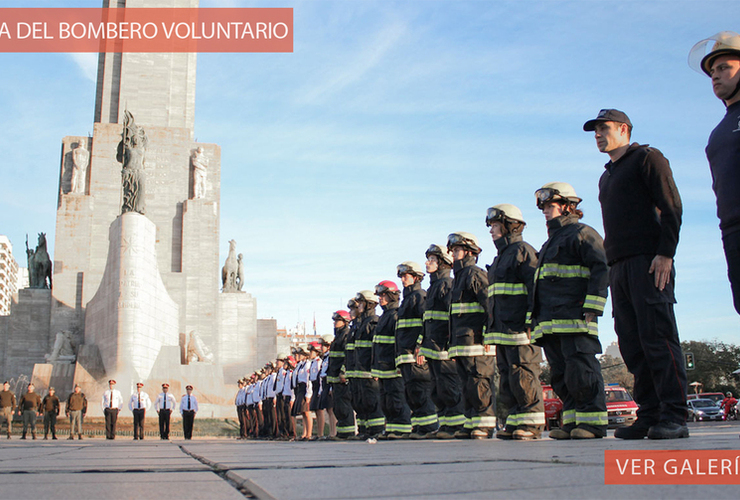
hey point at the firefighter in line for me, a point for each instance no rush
(369, 415)
(510, 284)
(446, 386)
(336, 376)
(570, 291)
(468, 320)
(392, 397)
(417, 378)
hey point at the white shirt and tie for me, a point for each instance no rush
(188, 403)
(112, 399)
(139, 401)
(165, 401)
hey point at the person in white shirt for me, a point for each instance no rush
(164, 405)
(268, 405)
(111, 404)
(314, 374)
(326, 397)
(288, 398)
(188, 409)
(139, 404)
(282, 420)
(241, 408)
(303, 389)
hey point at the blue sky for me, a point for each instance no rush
(393, 124)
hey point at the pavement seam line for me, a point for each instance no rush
(246, 487)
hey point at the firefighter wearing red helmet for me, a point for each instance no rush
(570, 287)
(468, 320)
(446, 386)
(409, 333)
(392, 397)
(510, 286)
(335, 376)
(369, 415)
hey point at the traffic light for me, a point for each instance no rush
(689, 360)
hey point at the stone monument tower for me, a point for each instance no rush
(133, 288)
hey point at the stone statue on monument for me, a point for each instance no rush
(63, 351)
(132, 154)
(240, 272)
(80, 161)
(39, 264)
(200, 170)
(197, 351)
(229, 271)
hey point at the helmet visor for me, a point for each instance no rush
(544, 195)
(402, 269)
(724, 41)
(494, 214)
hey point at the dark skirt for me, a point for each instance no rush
(315, 396)
(326, 401)
(300, 405)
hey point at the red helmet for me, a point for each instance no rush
(340, 315)
(386, 286)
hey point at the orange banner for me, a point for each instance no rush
(672, 467)
(146, 30)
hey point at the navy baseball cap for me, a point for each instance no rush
(607, 115)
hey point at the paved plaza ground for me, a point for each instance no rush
(227, 468)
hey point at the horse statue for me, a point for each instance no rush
(39, 264)
(229, 271)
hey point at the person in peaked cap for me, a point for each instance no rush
(75, 409)
(303, 390)
(111, 404)
(188, 409)
(138, 404)
(314, 375)
(281, 419)
(165, 405)
(288, 396)
(326, 397)
(240, 401)
(7, 406)
(50, 406)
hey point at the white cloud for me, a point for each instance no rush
(87, 63)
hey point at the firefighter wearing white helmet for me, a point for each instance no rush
(370, 420)
(570, 287)
(468, 320)
(446, 386)
(409, 334)
(722, 63)
(510, 287)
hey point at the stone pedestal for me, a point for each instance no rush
(131, 317)
(238, 341)
(26, 339)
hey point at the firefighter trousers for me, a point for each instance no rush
(369, 412)
(519, 386)
(648, 340)
(447, 394)
(394, 406)
(576, 379)
(476, 375)
(418, 383)
(343, 409)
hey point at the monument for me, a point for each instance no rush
(135, 292)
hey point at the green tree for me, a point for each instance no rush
(714, 363)
(615, 371)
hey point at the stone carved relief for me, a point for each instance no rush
(80, 162)
(39, 264)
(230, 269)
(240, 274)
(200, 171)
(132, 154)
(63, 351)
(197, 351)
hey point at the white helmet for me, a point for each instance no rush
(442, 253)
(502, 212)
(701, 56)
(465, 240)
(556, 191)
(366, 296)
(409, 267)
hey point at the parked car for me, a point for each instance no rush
(717, 397)
(553, 407)
(704, 409)
(620, 406)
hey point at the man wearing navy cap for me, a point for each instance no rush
(641, 209)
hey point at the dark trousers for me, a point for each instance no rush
(50, 422)
(447, 394)
(417, 381)
(279, 416)
(188, 416)
(369, 405)
(269, 418)
(576, 378)
(519, 386)
(394, 406)
(648, 340)
(111, 417)
(354, 385)
(29, 419)
(289, 421)
(731, 242)
(343, 409)
(164, 424)
(139, 423)
(241, 413)
(476, 375)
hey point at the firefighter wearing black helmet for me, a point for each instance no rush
(409, 333)
(369, 414)
(569, 292)
(446, 386)
(510, 286)
(336, 376)
(468, 320)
